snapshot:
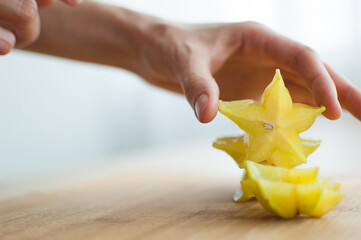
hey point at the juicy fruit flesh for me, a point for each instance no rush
(236, 148)
(271, 173)
(286, 193)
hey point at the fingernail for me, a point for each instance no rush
(200, 105)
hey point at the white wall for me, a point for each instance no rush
(55, 113)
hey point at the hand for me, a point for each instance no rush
(205, 62)
(237, 61)
(19, 22)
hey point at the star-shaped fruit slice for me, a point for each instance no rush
(273, 125)
(236, 147)
(287, 192)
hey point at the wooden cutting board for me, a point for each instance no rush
(150, 204)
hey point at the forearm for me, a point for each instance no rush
(94, 32)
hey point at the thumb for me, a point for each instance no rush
(201, 91)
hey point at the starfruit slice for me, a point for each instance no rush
(236, 148)
(245, 192)
(287, 192)
(297, 176)
(273, 124)
(317, 199)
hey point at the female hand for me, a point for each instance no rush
(19, 22)
(204, 61)
(237, 61)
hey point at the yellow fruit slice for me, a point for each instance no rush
(332, 186)
(295, 176)
(281, 159)
(272, 173)
(236, 148)
(307, 196)
(278, 198)
(245, 192)
(287, 192)
(273, 124)
(317, 199)
(328, 200)
(302, 176)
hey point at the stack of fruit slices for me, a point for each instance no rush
(270, 150)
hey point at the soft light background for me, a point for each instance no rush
(58, 114)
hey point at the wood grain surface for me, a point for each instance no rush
(150, 204)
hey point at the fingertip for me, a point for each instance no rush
(7, 41)
(332, 115)
(325, 94)
(333, 111)
(206, 108)
(349, 95)
(200, 89)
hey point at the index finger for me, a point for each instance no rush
(348, 94)
(308, 65)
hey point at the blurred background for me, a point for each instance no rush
(59, 114)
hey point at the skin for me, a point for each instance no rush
(20, 22)
(205, 62)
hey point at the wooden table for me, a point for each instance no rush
(182, 192)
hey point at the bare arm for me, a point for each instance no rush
(93, 32)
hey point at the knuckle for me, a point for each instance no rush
(254, 33)
(309, 51)
(229, 35)
(28, 10)
(303, 54)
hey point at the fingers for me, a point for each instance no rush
(348, 94)
(7, 41)
(23, 19)
(201, 90)
(299, 94)
(311, 69)
(307, 64)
